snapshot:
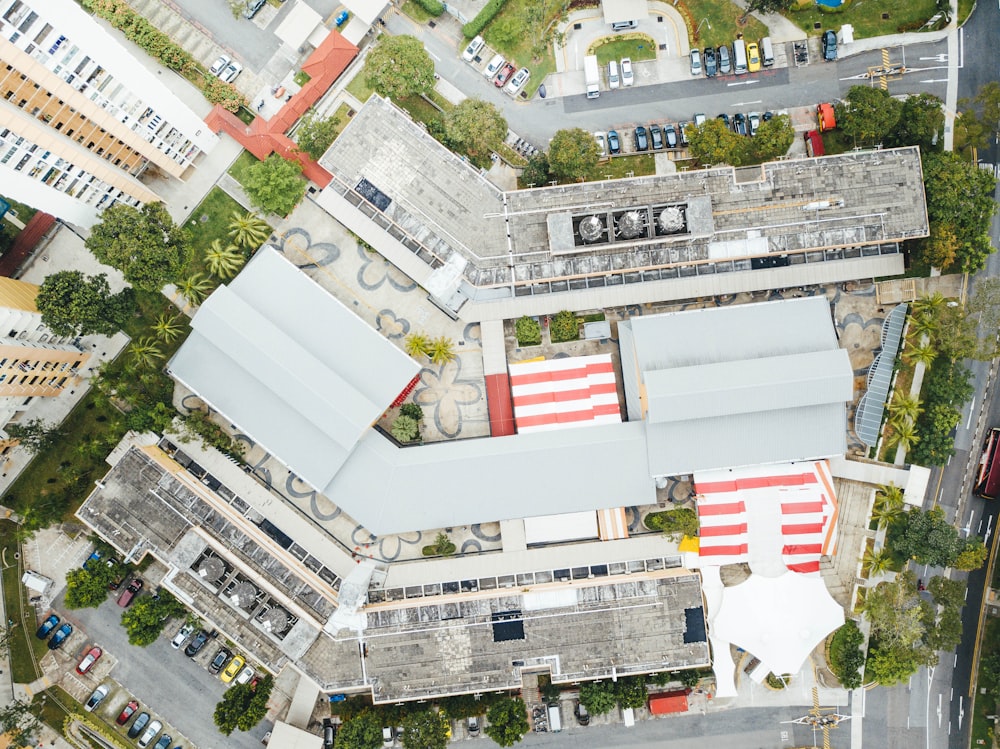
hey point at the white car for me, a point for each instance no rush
(244, 676)
(517, 82)
(150, 734)
(96, 697)
(182, 634)
(474, 48)
(627, 76)
(602, 149)
(219, 65)
(232, 70)
(494, 66)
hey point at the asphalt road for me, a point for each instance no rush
(170, 686)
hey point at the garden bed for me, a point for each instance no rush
(867, 17)
(637, 47)
(721, 22)
(25, 649)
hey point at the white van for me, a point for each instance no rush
(624, 25)
(739, 57)
(613, 80)
(474, 48)
(555, 718)
(766, 52)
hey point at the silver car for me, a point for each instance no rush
(695, 62)
(150, 734)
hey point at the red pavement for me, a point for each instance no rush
(25, 243)
(499, 405)
(264, 137)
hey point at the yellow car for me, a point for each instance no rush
(753, 57)
(232, 669)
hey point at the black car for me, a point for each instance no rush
(581, 714)
(725, 67)
(711, 68)
(670, 135)
(47, 626)
(329, 733)
(829, 45)
(60, 636)
(641, 141)
(740, 123)
(725, 120)
(656, 135)
(139, 724)
(614, 144)
(221, 659)
(253, 7)
(767, 116)
(196, 644)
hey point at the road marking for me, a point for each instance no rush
(939, 710)
(746, 103)
(935, 80)
(742, 83)
(434, 56)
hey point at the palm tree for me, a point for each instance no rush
(442, 350)
(921, 353)
(249, 230)
(905, 407)
(903, 435)
(195, 288)
(930, 304)
(417, 344)
(923, 323)
(145, 352)
(168, 327)
(223, 262)
(888, 504)
(876, 562)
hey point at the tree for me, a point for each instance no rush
(73, 304)
(363, 731)
(145, 352)
(35, 435)
(846, 656)
(441, 350)
(476, 127)
(714, 143)
(426, 729)
(405, 428)
(631, 691)
(937, 444)
(921, 353)
(416, 344)
(537, 172)
(508, 721)
(938, 250)
(773, 139)
(764, 6)
(413, 410)
(868, 114)
(894, 664)
(573, 153)
(682, 521)
(946, 592)
(973, 556)
(168, 327)
(527, 331)
(902, 435)
(315, 134)
(243, 706)
(248, 230)
(275, 184)
(399, 66)
(921, 123)
(598, 697)
(145, 618)
(223, 262)
(905, 406)
(888, 505)
(143, 243)
(927, 538)
(876, 562)
(895, 612)
(18, 723)
(563, 326)
(195, 288)
(87, 588)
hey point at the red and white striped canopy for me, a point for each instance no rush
(562, 393)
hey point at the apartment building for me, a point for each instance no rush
(81, 120)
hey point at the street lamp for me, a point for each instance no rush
(703, 21)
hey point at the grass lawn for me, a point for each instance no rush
(964, 9)
(25, 648)
(866, 17)
(53, 706)
(210, 221)
(421, 110)
(243, 161)
(343, 116)
(415, 12)
(639, 47)
(358, 87)
(640, 165)
(536, 18)
(721, 22)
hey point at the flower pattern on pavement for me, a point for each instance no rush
(391, 326)
(297, 245)
(444, 392)
(375, 270)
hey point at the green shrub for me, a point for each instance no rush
(674, 523)
(433, 7)
(776, 682)
(483, 18)
(405, 428)
(137, 29)
(412, 410)
(442, 546)
(564, 327)
(528, 331)
(846, 657)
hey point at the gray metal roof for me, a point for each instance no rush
(295, 369)
(868, 416)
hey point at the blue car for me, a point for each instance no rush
(341, 18)
(47, 626)
(61, 635)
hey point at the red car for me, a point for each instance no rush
(89, 660)
(503, 75)
(130, 592)
(127, 712)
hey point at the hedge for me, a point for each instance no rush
(137, 29)
(433, 7)
(483, 18)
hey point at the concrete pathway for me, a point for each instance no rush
(779, 28)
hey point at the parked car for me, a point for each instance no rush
(682, 132)
(219, 661)
(711, 67)
(92, 656)
(138, 725)
(130, 592)
(164, 742)
(341, 18)
(670, 136)
(628, 77)
(517, 82)
(829, 45)
(767, 116)
(220, 64)
(245, 675)
(753, 122)
(61, 635)
(388, 737)
(150, 734)
(127, 712)
(253, 8)
(232, 70)
(753, 57)
(232, 669)
(47, 626)
(182, 634)
(641, 140)
(196, 644)
(493, 66)
(504, 75)
(725, 66)
(329, 733)
(602, 148)
(614, 144)
(740, 123)
(581, 714)
(699, 119)
(472, 726)
(656, 136)
(96, 697)
(474, 48)
(695, 62)
(725, 120)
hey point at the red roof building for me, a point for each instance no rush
(671, 702)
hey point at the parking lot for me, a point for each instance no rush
(173, 688)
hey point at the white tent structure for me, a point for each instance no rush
(778, 619)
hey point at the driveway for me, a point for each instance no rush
(171, 687)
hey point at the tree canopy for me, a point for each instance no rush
(573, 153)
(773, 139)
(920, 123)
(18, 723)
(243, 706)
(87, 587)
(34, 435)
(275, 184)
(399, 66)
(508, 721)
(362, 731)
(714, 143)
(145, 618)
(476, 127)
(73, 304)
(426, 729)
(143, 243)
(868, 114)
(314, 134)
(927, 537)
